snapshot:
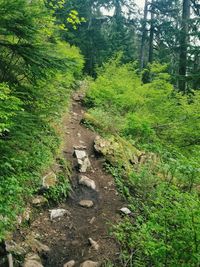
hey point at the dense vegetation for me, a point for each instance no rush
(143, 98)
(36, 73)
(162, 191)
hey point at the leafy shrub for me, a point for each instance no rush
(168, 234)
(61, 190)
(162, 195)
(9, 105)
(37, 71)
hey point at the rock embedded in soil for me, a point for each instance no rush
(35, 245)
(94, 244)
(32, 260)
(83, 160)
(70, 264)
(84, 180)
(56, 213)
(86, 203)
(125, 210)
(90, 264)
(85, 164)
(39, 201)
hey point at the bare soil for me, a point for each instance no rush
(68, 236)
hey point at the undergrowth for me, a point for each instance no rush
(162, 189)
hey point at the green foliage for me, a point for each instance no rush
(167, 234)
(61, 190)
(37, 71)
(162, 192)
(149, 112)
(9, 105)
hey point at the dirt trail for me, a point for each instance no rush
(68, 236)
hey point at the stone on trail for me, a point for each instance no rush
(80, 154)
(70, 264)
(39, 201)
(94, 244)
(84, 180)
(86, 203)
(32, 260)
(125, 210)
(90, 264)
(56, 213)
(83, 160)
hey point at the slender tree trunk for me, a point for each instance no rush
(182, 84)
(151, 36)
(144, 33)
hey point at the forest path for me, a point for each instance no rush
(68, 236)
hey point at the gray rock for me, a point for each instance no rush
(125, 211)
(35, 245)
(49, 180)
(84, 180)
(94, 244)
(90, 264)
(56, 213)
(86, 203)
(70, 264)
(85, 165)
(32, 260)
(80, 154)
(39, 201)
(83, 160)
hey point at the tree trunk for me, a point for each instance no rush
(182, 84)
(151, 37)
(144, 32)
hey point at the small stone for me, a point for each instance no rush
(39, 201)
(80, 154)
(70, 264)
(78, 134)
(49, 180)
(83, 160)
(92, 220)
(90, 264)
(125, 211)
(84, 180)
(86, 203)
(58, 213)
(94, 244)
(85, 165)
(32, 260)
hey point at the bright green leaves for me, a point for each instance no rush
(74, 20)
(37, 70)
(162, 191)
(9, 105)
(168, 234)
